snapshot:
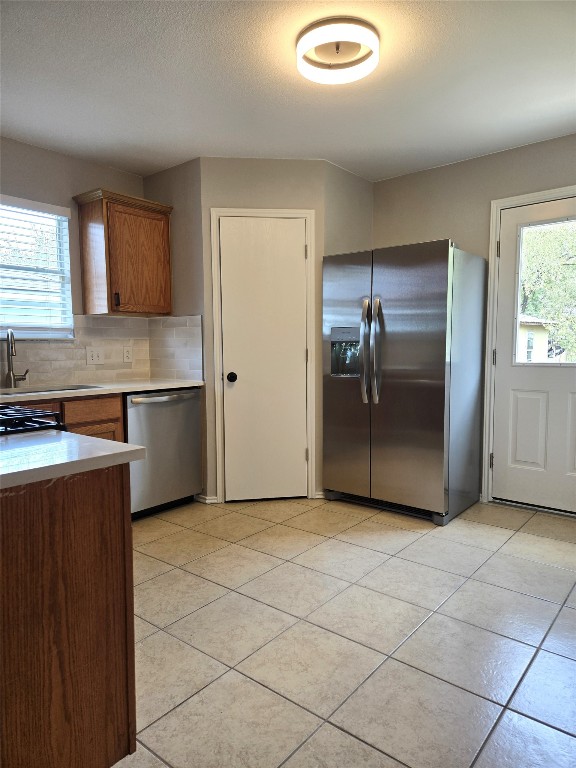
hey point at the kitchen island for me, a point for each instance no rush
(66, 650)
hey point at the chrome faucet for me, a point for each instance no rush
(12, 378)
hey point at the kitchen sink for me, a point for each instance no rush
(41, 390)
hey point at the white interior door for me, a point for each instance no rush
(263, 286)
(535, 375)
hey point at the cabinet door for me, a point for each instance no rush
(43, 405)
(107, 431)
(139, 260)
(95, 417)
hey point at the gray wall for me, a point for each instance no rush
(454, 201)
(50, 177)
(348, 211)
(342, 204)
(180, 187)
(238, 183)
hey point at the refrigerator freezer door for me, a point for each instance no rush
(345, 375)
(407, 423)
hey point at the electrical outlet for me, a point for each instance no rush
(94, 355)
(127, 354)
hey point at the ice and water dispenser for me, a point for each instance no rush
(345, 351)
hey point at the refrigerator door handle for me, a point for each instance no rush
(362, 350)
(376, 328)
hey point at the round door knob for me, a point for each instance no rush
(232, 377)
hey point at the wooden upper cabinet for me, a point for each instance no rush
(125, 252)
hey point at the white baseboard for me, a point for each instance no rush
(206, 499)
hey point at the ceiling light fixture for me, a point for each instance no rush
(338, 50)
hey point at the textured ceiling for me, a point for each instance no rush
(147, 85)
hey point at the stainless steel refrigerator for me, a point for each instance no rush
(403, 339)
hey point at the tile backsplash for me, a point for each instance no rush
(168, 348)
(175, 347)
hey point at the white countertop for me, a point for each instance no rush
(45, 455)
(29, 394)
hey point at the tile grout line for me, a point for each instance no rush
(233, 666)
(145, 581)
(542, 722)
(507, 708)
(488, 736)
(363, 741)
(296, 749)
(162, 760)
(324, 720)
(177, 706)
(539, 649)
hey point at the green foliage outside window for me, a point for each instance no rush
(548, 283)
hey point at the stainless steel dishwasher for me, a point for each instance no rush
(167, 423)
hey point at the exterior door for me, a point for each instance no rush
(410, 285)
(263, 285)
(535, 377)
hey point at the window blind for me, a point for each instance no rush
(35, 293)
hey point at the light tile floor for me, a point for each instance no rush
(312, 634)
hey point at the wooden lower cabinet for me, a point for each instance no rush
(101, 416)
(95, 416)
(45, 405)
(67, 632)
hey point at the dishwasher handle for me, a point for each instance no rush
(140, 400)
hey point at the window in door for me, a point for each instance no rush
(546, 313)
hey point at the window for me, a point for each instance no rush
(547, 293)
(35, 295)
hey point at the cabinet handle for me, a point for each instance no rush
(163, 398)
(116, 299)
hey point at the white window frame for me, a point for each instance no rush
(46, 331)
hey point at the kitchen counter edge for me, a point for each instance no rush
(114, 388)
(48, 454)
